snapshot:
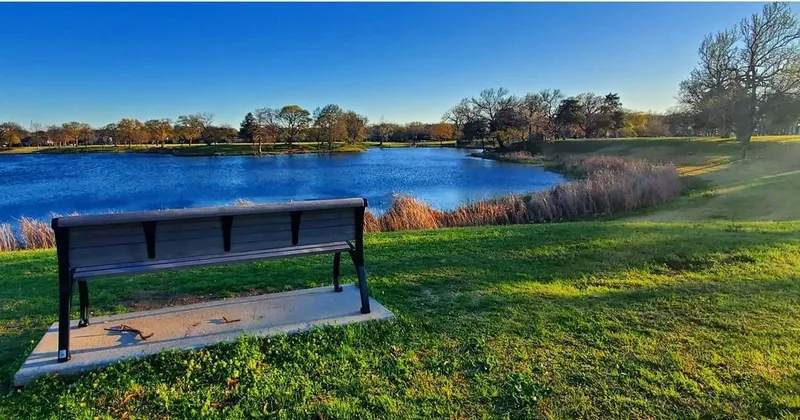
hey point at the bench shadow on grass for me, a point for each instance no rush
(408, 269)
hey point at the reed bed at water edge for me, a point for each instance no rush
(609, 185)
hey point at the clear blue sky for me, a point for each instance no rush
(102, 62)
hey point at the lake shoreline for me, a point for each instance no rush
(227, 149)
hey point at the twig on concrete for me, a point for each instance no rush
(125, 328)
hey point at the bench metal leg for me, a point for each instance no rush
(358, 261)
(64, 309)
(83, 295)
(337, 258)
(65, 282)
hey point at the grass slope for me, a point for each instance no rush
(596, 319)
(762, 187)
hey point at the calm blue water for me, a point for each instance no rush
(36, 185)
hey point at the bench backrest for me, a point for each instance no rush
(123, 238)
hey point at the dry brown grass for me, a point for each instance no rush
(8, 241)
(408, 213)
(36, 234)
(611, 185)
(371, 223)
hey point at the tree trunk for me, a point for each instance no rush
(744, 139)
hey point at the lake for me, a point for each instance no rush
(36, 185)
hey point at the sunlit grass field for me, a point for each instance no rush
(596, 319)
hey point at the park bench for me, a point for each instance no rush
(131, 243)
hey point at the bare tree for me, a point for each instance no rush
(491, 101)
(383, 130)
(707, 91)
(56, 135)
(767, 66)
(207, 118)
(754, 65)
(268, 125)
(38, 133)
(459, 115)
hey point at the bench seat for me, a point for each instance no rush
(109, 270)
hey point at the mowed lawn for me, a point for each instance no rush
(597, 319)
(762, 187)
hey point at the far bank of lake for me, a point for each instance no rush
(35, 185)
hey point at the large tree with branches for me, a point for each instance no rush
(744, 71)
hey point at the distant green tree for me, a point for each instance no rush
(356, 126)
(293, 121)
(328, 120)
(476, 129)
(248, 127)
(613, 117)
(567, 117)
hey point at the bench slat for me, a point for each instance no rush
(207, 257)
(201, 213)
(215, 260)
(199, 229)
(252, 242)
(113, 254)
(287, 227)
(209, 244)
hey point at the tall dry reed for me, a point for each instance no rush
(36, 233)
(8, 241)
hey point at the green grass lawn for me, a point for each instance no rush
(598, 319)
